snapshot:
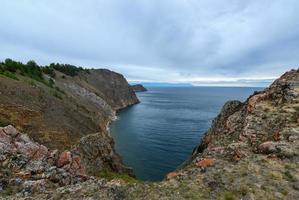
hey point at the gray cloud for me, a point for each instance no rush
(153, 40)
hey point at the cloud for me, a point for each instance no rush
(153, 40)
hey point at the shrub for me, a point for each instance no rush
(67, 69)
(51, 83)
(9, 75)
(49, 70)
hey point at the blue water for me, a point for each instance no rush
(159, 134)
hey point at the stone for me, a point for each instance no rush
(237, 155)
(254, 100)
(172, 175)
(5, 138)
(205, 163)
(33, 186)
(267, 147)
(293, 138)
(10, 130)
(277, 136)
(29, 148)
(64, 159)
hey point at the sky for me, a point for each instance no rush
(199, 42)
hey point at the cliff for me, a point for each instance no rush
(62, 106)
(138, 88)
(251, 151)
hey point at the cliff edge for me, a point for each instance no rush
(251, 151)
(66, 107)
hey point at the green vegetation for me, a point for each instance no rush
(31, 69)
(57, 94)
(9, 75)
(7, 192)
(112, 175)
(3, 123)
(228, 196)
(67, 69)
(50, 71)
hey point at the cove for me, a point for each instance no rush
(159, 134)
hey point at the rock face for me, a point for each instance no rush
(26, 166)
(93, 145)
(138, 88)
(60, 116)
(111, 86)
(251, 151)
(68, 116)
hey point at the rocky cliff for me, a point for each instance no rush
(66, 108)
(251, 151)
(138, 88)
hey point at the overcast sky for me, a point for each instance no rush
(224, 42)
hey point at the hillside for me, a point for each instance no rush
(251, 151)
(59, 106)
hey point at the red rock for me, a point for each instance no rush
(237, 155)
(64, 159)
(172, 175)
(205, 163)
(27, 149)
(41, 153)
(276, 136)
(254, 99)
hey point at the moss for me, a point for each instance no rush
(7, 192)
(3, 122)
(289, 176)
(112, 175)
(228, 196)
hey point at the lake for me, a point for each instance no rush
(159, 134)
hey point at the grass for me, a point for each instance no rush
(112, 175)
(290, 176)
(228, 196)
(7, 192)
(57, 94)
(3, 123)
(9, 75)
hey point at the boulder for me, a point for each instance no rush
(267, 147)
(65, 158)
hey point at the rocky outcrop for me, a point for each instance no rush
(251, 151)
(138, 88)
(65, 114)
(26, 166)
(111, 86)
(97, 153)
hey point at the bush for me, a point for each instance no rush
(9, 75)
(49, 70)
(31, 69)
(67, 69)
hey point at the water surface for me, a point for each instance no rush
(157, 135)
